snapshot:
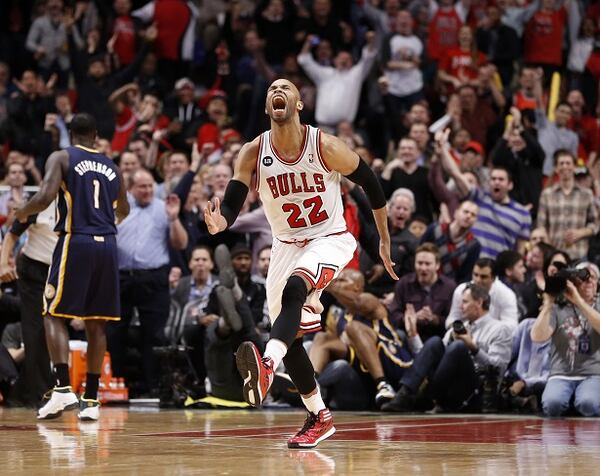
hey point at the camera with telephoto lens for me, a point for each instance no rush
(557, 284)
(459, 327)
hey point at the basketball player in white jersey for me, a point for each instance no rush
(298, 171)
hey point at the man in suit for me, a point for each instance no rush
(192, 295)
(217, 319)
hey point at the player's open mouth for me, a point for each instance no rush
(279, 103)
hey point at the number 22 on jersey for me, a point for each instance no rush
(310, 205)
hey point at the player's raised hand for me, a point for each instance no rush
(384, 253)
(215, 222)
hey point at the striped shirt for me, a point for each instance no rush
(499, 225)
(560, 212)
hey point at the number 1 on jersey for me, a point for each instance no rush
(96, 193)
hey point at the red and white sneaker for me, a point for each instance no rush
(316, 429)
(256, 372)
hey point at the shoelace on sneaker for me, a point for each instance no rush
(308, 424)
(268, 362)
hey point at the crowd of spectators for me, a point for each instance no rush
(480, 117)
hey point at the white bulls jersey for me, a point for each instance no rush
(302, 199)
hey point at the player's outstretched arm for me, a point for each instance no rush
(220, 215)
(56, 165)
(341, 158)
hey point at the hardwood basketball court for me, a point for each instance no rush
(147, 440)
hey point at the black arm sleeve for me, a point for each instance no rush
(362, 202)
(233, 201)
(364, 176)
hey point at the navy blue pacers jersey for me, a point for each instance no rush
(83, 281)
(87, 197)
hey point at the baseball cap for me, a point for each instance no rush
(211, 95)
(240, 249)
(581, 171)
(184, 83)
(476, 146)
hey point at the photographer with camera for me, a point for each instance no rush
(455, 365)
(573, 325)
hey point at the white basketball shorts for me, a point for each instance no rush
(319, 261)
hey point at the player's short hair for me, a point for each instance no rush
(83, 125)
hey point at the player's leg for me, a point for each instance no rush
(95, 330)
(318, 265)
(319, 423)
(302, 270)
(56, 292)
(325, 349)
(57, 340)
(61, 396)
(364, 341)
(257, 371)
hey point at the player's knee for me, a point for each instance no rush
(321, 338)
(95, 328)
(294, 291)
(354, 329)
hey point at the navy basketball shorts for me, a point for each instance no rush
(83, 281)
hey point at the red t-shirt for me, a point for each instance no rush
(522, 102)
(477, 11)
(124, 126)
(125, 42)
(544, 37)
(207, 133)
(443, 32)
(460, 64)
(587, 129)
(172, 18)
(593, 64)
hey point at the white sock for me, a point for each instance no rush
(315, 403)
(276, 350)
